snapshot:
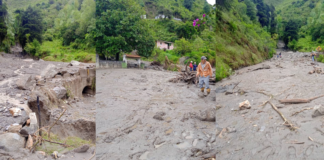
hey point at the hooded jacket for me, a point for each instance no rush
(207, 71)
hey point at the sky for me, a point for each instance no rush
(212, 2)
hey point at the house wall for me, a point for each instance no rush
(164, 45)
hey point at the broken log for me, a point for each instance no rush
(299, 100)
(286, 122)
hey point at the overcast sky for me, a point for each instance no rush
(212, 2)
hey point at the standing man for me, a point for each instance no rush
(313, 54)
(204, 71)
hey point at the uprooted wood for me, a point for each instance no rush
(301, 111)
(190, 78)
(49, 130)
(299, 100)
(286, 122)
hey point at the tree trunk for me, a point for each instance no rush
(117, 56)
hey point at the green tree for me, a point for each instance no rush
(182, 46)
(188, 4)
(250, 10)
(186, 30)
(30, 23)
(206, 7)
(3, 26)
(291, 31)
(119, 26)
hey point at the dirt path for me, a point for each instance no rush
(127, 101)
(259, 133)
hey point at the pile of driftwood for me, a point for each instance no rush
(190, 78)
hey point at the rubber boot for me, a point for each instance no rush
(202, 89)
(208, 91)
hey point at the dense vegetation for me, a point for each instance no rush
(246, 33)
(300, 23)
(125, 29)
(55, 30)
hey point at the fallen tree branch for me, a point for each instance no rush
(299, 100)
(301, 111)
(286, 122)
(93, 155)
(49, 130)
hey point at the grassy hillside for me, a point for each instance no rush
(240, 44)
(239, 41)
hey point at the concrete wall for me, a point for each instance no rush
(109, 64)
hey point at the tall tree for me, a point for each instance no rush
(31, 23)
(251, 10)
(188, 4)
(3, 27)
(291, 31)
(273, 20)
(119, 26)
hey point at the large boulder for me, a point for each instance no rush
(28, 130)
(60, 92)
(75, 63)
(208, 115)
(11, 142)
(25, 82)
(50, 71)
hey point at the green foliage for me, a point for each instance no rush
(186, 30)
(250, 10)
(182, 46)
(33, 47)
(120, 27)
(188, 4)
(3, 26)
(291, 31)
(30, 24)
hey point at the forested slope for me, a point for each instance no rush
(245, 34)
(56, 30)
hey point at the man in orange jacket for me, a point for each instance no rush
(204, 71)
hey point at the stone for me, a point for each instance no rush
(11, 142)
(82, 149)
(15, 111)
(207, 115)
(158, 117)
(319, 111)
(60, 92)
(28, 130)
(245, 105)
(75, 63)
(41, 153)
(29, 144)
(14, 128)
(24, 82)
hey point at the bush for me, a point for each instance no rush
(48, 37)
(182, 46)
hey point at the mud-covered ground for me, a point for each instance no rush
(12, 68)
(128, 99)
(259, 133)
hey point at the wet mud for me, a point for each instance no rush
(140, 115)
(259, 132)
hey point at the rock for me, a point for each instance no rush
(24, 82)
(230, 129)
(11, 142)
(55, 155)
(29, 143)
(75, 63)
(60, 92)
(41, 153)
(15, 111)
(50, 71)
(82, 149)
(159, 116)
(318, 112)
(28, 122)
(245, 105)
(28, 130)
(14, 128)
(207, 115)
